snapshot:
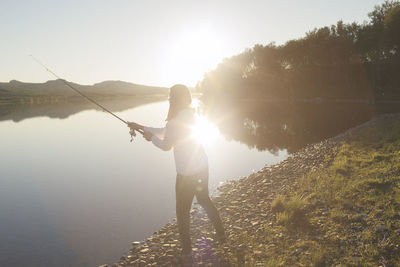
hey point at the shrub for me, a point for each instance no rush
(278, 204)
(290, 213)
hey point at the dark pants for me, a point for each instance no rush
(186, 188)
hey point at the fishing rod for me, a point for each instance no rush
(132, 132)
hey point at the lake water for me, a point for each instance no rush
(75, 192)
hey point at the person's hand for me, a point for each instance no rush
(135, 126)
(147, 136)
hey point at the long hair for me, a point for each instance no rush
(179, 99)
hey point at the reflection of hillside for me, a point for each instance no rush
(290, 126)
(63, 110)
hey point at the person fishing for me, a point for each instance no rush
(190, 160)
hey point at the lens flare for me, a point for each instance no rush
(204, 131)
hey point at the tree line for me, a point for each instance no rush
(350, 61)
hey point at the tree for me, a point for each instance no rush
(340, 61)
(392, 27)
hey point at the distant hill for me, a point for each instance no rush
(56, 90)
(120, 87)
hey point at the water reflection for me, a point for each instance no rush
(264, 126)
(62, 110)
(289, 126)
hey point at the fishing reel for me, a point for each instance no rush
(133, 129)
(132, 132)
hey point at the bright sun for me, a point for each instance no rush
(205, 132)
(193, 52)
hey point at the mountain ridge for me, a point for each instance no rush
(58, 88)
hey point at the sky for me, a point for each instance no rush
(152, 42)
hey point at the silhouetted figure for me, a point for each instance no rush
(190, 160)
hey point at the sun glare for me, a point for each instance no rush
(204, 131)
(193, 52)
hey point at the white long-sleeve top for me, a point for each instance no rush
(189, 154)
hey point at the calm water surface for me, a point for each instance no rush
(76, 192)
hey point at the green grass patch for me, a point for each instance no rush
(292, 213)
(350, 208)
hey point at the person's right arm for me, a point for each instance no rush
(170, 137)
(159, 132)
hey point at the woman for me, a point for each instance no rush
(190, 161)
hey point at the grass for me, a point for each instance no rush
(348, 214)
(291, 213)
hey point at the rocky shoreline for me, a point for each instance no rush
(245, 208)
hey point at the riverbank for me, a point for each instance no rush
(334, 203)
